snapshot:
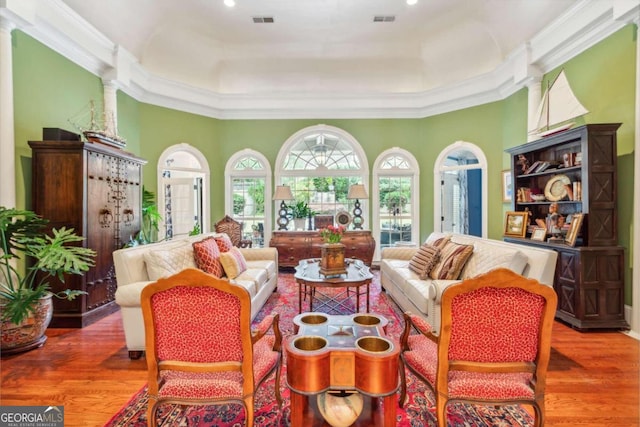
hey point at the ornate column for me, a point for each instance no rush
(110, 106)
(7, 134)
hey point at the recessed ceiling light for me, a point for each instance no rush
(412, 2)
(229, 3)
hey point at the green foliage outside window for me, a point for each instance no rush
(256, 192)
(238, 204)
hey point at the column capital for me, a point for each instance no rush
(109, 83)
(7, 25)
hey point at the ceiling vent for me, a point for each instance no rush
(381, 18)
(263, 20)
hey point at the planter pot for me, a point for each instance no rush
(332, 261)
(30, 333)
(299, 223)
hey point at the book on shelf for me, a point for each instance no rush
(543, 167)
(532, 168)
(577, 190)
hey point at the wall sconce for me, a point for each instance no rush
(357, 191)
(283, 192)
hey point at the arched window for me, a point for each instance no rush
(460, 190)
(320, 163)
(397, 185)
(248, 194)
(183, 188)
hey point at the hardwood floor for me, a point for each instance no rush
(593, 379)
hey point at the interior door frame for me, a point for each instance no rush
(439, 167)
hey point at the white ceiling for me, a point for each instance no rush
(320, 58)
(319, 45)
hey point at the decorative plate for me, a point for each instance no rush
(343, 218)
(555, 189)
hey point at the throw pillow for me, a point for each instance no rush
(453, 256)
(224, 242)
(438, 242)
(423, 260)
(486, 258)
(233, 262)
(169, 261)
(207, 256)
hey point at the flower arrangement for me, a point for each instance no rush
(332, 233)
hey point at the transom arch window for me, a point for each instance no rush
(320, 163)
(460, 190)
(396, 213)
(247, 192)
(183, 188)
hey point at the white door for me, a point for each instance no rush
(181, 211)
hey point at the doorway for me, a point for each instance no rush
(460, 190)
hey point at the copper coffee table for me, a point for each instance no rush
(342, 353)
(310, 279)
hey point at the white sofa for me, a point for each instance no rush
(422, 296)
(132, 275)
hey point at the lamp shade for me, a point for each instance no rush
(283, 192)
(357, 191)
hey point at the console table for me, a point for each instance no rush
(294, 246)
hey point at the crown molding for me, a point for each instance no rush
(58, 27)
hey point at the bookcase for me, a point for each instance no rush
(576, 170)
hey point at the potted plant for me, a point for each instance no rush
(25, 293)
(300, 211)
(150, 220)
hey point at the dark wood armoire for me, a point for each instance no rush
(95, 189)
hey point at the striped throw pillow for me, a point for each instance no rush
(453, 257)
(233, 262)
(424, 259)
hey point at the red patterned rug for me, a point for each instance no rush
(418, 411)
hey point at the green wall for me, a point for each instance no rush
(603, 78)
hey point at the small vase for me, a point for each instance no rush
(332, 259)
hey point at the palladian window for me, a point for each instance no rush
(319, 164)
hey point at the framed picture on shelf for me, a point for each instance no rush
(507, 186)
(515, 224)
(322, 221)
(539, 234)
(574, 229)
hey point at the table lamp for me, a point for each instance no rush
(283, 192)
(357, 191)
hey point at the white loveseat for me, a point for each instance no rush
(422, 296)
(132, 275)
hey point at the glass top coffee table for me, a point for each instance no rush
(310, 281)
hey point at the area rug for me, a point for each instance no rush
(417, 412)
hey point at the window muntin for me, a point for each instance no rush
(395, 209)
(396, 188)
(248, 193)
(319, 163)
(249, 207)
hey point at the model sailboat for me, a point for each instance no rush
(559, 105)
(104, 133)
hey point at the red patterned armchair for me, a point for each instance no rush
(493, 347)
(200, 348)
